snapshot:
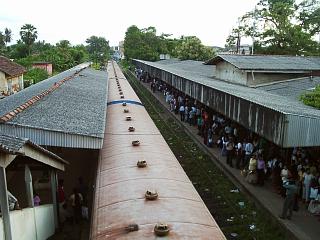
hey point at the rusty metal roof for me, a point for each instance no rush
(10, 68)
(121, 185)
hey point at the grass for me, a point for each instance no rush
(248, 221)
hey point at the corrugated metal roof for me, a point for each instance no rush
(13, 145)
(291, 88)
(269, 62)
(197, 72)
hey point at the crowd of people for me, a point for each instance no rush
(257, 159)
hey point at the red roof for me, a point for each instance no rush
(10, 68)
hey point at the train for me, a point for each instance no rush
(141, 191)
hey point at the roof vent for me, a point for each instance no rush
(128, 118)
(126, 110)
(132, 227)
(142, 163)
(151, 195)
(135, 143)
(121, 93)
(121, 96)
(124, 104)
(131, 129)
(161, 229)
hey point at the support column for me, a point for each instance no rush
(5, 204)
(29, 188)
(53, 176)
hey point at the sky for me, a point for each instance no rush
(209, 20)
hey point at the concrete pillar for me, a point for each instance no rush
(29, 188)
(53, 175)
(5, 204)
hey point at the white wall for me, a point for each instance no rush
(25, 222)
(3, 82)
(228, 72)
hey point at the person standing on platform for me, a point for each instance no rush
(291, 190)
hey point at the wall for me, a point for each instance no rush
(16, 84)
(260, 78)
(3, 83)
(228, 72)
(46, 67)
(24, 223)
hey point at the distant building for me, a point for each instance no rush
(244, 49)
(11, 76)
(165, 56)
(118, 51)
(43, 65)
(252, 70)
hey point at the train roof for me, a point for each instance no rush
(121, 185)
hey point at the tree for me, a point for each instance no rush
(281, 27)
(7, 35)
(28, 35)
(98, 49)
(2, 44)
(191, 48)
(145, 44)
(63, 44)
(35, 75)
(312, 98)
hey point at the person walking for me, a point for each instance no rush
(291, 190)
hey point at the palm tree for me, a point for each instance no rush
(2, 43)
(28, 35)
(7, 36)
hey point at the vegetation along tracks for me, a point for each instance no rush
(236, 214)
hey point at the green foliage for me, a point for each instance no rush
(281, 27)
(35, 75)
(191, 48)
(7, 35)
(28, 34)
(98, 49)
(96, 66)
(19, 50)
(27, 61)
(145, 44)
(312, 98)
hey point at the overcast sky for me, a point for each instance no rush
(210, 20)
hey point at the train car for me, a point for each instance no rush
(141, 191)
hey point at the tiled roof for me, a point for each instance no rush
(10, 68)
(13, 145)
(269, 62)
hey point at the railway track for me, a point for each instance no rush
(237, 216)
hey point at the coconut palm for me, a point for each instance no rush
(28, 35)
(7, 36)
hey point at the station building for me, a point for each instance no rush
(56, 129)
(261, 93)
